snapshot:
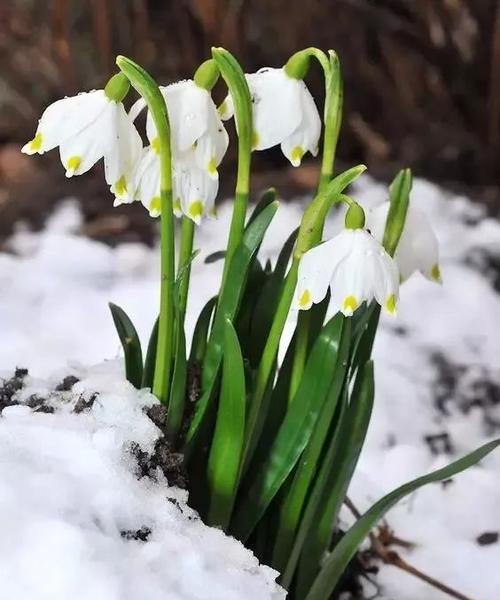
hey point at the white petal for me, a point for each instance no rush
(418, 248)
(195, 191)
(212, 145)
(276, 106)
(121, 162)
(187, 106)
(316, 269)
(226, 109)
(147, 182)
(136, 109)
(306, 136)
(66, 118)
(83, 150)
(351, 282)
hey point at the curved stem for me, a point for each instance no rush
(238, 88)
(148, 89)
(332, 118)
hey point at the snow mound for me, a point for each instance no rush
(77, 523)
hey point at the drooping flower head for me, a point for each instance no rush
(193, 190)
(196, 129)
(88, 127)
(355, 267)
(198, 140)
(284, 113)
(418, 248)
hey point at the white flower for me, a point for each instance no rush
(284, 113)
(418, 248)
(195, 125)
(193, 190)
(88, 127)
(356, 268)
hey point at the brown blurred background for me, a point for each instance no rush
(422, 85)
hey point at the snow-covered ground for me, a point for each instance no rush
(75, 519)
(437, 374)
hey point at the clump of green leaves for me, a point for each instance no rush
(271, 447)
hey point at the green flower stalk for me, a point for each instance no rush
(298, 66)
(148, 89)
(310, 231)
(234, 77)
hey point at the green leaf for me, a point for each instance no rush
(295, 431)
(314, 499)
(399, 200)
(215, 257)
(267, 300)
(349, 442)
(131, 344)
(365, 331)
(200, 334)
(267, 198)
(337, 561)
(291, 508)
(227, 308)
(229, 436)
(177, 401)
(149, 363)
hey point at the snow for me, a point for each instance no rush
(54, 318)
(68, 491)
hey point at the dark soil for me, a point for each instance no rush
(163, 457)
(465, 387)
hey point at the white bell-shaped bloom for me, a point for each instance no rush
(356, 268)
(195, 125)
(418, 248)
(88, 127)
(193, 190)
(284, 113)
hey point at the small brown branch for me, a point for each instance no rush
(380, 548)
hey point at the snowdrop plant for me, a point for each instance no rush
(270, 445)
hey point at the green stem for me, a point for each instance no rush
(234, 77)
(148, 89)
(184, 265)
(332, 118)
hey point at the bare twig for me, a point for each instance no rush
(380, 547)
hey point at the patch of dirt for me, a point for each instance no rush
(466, 387)
(170, 463)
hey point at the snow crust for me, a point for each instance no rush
(442, 347)
(70, 498)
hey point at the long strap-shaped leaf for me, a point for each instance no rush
(201, 329)
(229, 436)
(292, 506)
(175, 413)
(349, 440)
(295, 431)
(228, 305)
(131, 344)
(149, 362)
(338, 560)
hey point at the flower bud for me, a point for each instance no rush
(117, 87)
(355, 217)
(298, 64)
(207, 74)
